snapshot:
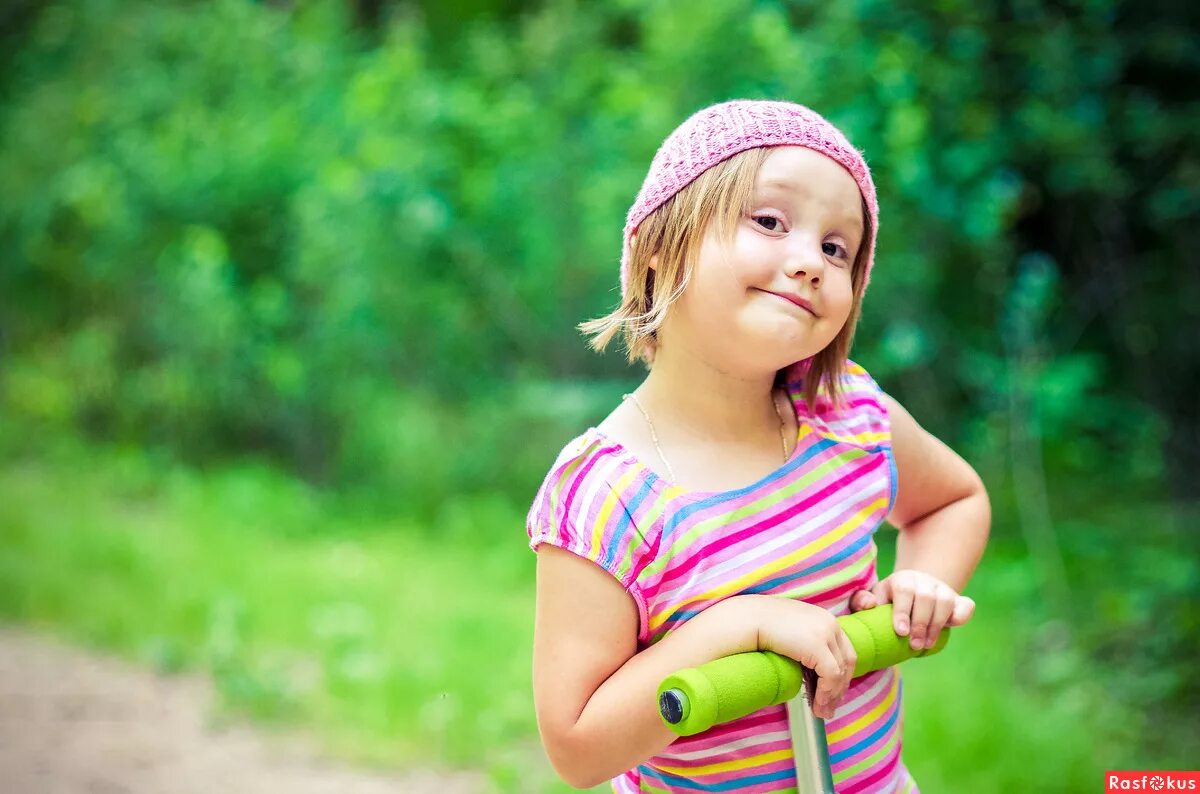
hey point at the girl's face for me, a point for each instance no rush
(744, 307)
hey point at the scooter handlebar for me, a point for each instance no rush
(695, 699)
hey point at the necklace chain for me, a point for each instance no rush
(654, 436)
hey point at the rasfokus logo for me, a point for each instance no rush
(1143, 780)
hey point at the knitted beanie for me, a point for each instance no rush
(722, 130)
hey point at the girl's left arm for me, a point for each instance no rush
(942, 508)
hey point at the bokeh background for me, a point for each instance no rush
(287, 305)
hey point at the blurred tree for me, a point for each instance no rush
(254, 225)
(1106, 100)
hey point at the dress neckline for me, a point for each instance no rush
(659, 481)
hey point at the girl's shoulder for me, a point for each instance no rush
(592, 503)
(587, 459)
(590, 477)
(859, 417)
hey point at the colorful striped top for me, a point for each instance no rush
(804, 531)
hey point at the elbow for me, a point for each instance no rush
(576, 772)
(583, 781)
(571, 760)
(985, 507)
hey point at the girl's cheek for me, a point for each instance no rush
(754, 262)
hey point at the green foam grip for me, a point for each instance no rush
(695, 699)
(876, 643)
(728, 688)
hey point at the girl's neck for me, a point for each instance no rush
(705, 401)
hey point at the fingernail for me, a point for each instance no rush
(915, 644)
(902, 627)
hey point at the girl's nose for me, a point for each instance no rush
(805, 259)
(806, 267)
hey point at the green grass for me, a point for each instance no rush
(404, 645)
(399, 645)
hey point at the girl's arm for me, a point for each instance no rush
(595, 694)
(944, 517)
(595, 699)
(942, 509)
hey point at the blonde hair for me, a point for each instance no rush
(675, 232)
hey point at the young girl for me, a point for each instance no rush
(729, 503)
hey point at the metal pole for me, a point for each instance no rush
(814, 774)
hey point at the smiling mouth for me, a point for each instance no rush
(794, 303)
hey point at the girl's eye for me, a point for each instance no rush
(778, 223)
(836, 247)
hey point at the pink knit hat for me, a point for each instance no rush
(724, 129)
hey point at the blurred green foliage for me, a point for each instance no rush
(235, 226)
(354, 239)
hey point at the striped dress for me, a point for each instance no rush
(804, 531)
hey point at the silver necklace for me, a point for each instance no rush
(654, 436)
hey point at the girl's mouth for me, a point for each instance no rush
(795, 300)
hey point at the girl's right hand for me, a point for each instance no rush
(813, 637)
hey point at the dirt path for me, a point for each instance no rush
(74, 723)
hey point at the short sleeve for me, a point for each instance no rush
(587, 505)
(865, 409)
(877, 421)
(860, 419)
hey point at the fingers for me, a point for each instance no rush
(834, 665)
(863, 599)
(922, 612)
(943, 607)
(964, 608)
(923, 605)
(849, 660)
(832, 686)
(829, 669)
(881, 593)
(902, 600)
